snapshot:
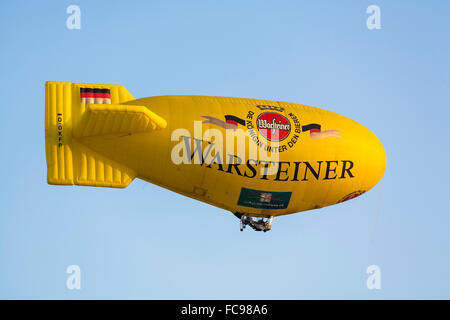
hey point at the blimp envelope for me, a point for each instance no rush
(255, 158)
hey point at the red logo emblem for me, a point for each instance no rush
(352, 195)
(273, 126)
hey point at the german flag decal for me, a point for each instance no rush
(234, 120)
(313, 127)
(95, 95)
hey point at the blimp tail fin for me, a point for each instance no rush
(74, 111)
(104, 119)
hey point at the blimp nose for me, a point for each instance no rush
(375, 160)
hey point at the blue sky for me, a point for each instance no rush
(147, 242)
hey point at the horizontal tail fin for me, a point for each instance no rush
(74, 110)
(102, 119)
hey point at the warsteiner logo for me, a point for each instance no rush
(273, 126)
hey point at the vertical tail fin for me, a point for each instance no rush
(68, 161)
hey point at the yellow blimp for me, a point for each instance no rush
(258, 159)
